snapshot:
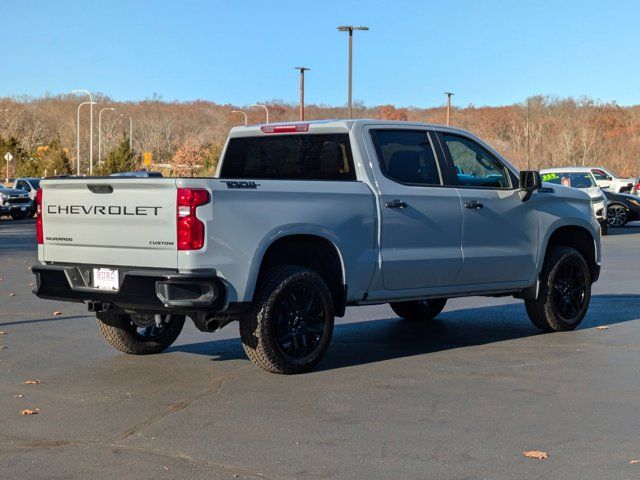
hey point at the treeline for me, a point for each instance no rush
(185, 138)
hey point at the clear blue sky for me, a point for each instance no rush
(488, 52)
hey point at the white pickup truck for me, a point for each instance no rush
(305, 219)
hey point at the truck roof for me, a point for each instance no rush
(327, 126)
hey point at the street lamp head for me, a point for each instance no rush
(350, 28)
(302, 69)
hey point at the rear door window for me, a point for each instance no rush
(406, 156)
(290, 157)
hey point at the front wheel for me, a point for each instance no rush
(19, 214)
(140, 334)
(290, 324)
(617, 216)
(565, 291)
(419, 309)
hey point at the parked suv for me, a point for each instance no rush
(15, 202)
(607, 179)
(30, 185)
(305, 219)
(582, 178)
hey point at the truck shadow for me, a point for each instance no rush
(370, 341)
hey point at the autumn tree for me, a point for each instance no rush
(120, 159)
(189, 159)
(389, 112)
(55, 160)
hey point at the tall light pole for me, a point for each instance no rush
(350, 29)
(449, 95)
(130, 133)
(263, 106)
(100, 133)
(87, 92)
(243, 114)
(78, 136)
(302, 70)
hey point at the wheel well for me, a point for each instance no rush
(618, 203)
(315, 253)
(578, 238)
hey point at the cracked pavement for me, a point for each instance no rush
(458, 398)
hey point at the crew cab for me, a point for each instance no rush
(305, 219)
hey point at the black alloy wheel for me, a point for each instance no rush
(569, 289)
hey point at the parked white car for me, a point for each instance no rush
(606, 179)
(582, 178)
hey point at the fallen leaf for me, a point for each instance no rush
(12, 294)
(3, 347)
(537, 454)
(633, 462)
(1, 279)
(602, 327)
(2, 333)
(18, 396)
(166, 468)
(28, 411)
(26, 261)
(30, 285)
(57, 313)
(32, 382)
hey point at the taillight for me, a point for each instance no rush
(39, 233)
(637, 187)
(190, 229)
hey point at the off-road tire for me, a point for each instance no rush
(257, 326)
(542, 311)
(121, 334)
(419, 309)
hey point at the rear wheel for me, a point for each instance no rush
(617, 216)
(140, 334)
(419, 309)
(565, 291)
(290, 324)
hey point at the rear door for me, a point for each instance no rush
(500, 231)
(110, 222)
(421, 230)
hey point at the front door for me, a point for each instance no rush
(500, 232)
(421, 229)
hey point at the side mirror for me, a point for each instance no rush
(530, 181)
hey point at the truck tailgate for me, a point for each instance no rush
(105, 221)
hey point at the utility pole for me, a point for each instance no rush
(350, 29)
(302, 70)
(449, 95)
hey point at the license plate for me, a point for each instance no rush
(23, 209)
(105, 279)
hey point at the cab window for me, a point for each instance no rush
(474, 166)
(406, 156)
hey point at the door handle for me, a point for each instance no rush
(473, 204)
(395, 203)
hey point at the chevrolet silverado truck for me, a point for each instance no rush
(305, 219)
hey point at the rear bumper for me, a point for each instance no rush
(153, 290)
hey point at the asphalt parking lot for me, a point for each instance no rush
(459, 398)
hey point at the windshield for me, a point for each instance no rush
(570, 179)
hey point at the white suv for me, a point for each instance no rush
(582, 178)
(606, 179)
